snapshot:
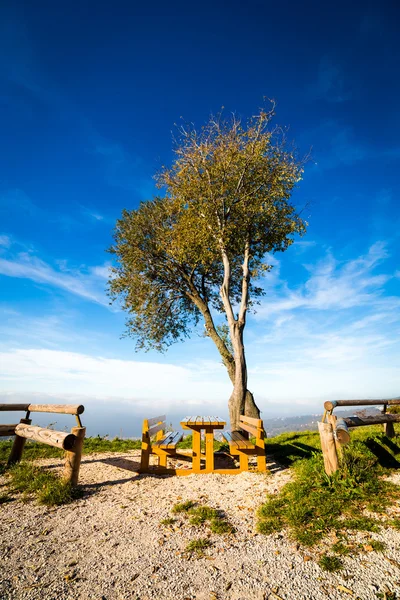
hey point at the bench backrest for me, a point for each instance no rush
(154, 427)
(253, 426)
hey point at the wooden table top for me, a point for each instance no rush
(198, 421)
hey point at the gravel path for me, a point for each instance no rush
(110, 545)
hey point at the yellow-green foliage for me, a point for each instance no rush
(225, 205)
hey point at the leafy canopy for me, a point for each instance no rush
(226, 195)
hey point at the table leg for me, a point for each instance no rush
(209, 450)
(196, 451)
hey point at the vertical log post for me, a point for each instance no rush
(328, 447)
(18, 445)
(73, 457)
(388, 428)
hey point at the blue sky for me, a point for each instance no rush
(89, 95)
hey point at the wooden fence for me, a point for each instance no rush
(71, 442)
(334, 431)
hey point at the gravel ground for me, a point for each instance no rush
(110, 544)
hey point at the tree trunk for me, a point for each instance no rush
(241, 401)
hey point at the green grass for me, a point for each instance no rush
(201, 515)
(168, 521)
(35, 450)
(47, 487)
(330, 563)
(377, 545)
(182, 507)
(220, 526)
(341, 548)
(198, 546)
(313, 504)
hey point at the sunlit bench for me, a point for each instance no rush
(156, 441)
(241, 446)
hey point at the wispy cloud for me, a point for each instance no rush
(333, 284)
(72, 372)
(86, 283)
(5, 241)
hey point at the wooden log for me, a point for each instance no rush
(388, 429)
(6, 407)
(328, 447)
(18, 445)
(371, 420)
(331, 404)
(342, 433)
(58, 439)
(7, 430)
(73, 458)
(64, 409)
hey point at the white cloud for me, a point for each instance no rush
(5, 241)
(334, 285)
(101, 271)
(51, 371)
(89, 285)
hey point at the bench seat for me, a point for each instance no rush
(156, 441)
(241, 446)
(170, 441)
(237, 440)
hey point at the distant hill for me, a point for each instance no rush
(308, 422)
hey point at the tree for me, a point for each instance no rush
(199, 250)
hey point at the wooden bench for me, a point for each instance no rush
(241, 446)
(163, 445)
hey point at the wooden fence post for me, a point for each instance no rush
(73, 457)
(328, 447)
(18, 445)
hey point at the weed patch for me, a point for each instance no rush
(47, 487)
(198, 546)
(330, 563)
(167, 522)
(313, 504)
(183, 507)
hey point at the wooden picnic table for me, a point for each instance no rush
(196, 424)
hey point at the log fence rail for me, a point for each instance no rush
(71, 442)
(334, 431)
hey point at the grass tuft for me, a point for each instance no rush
(330, 563)
(198, 546)
(167, 522)
(341, 548)
(183, 507)
(220, 526)
(377, 545)
(47, 487)
(201, 514)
